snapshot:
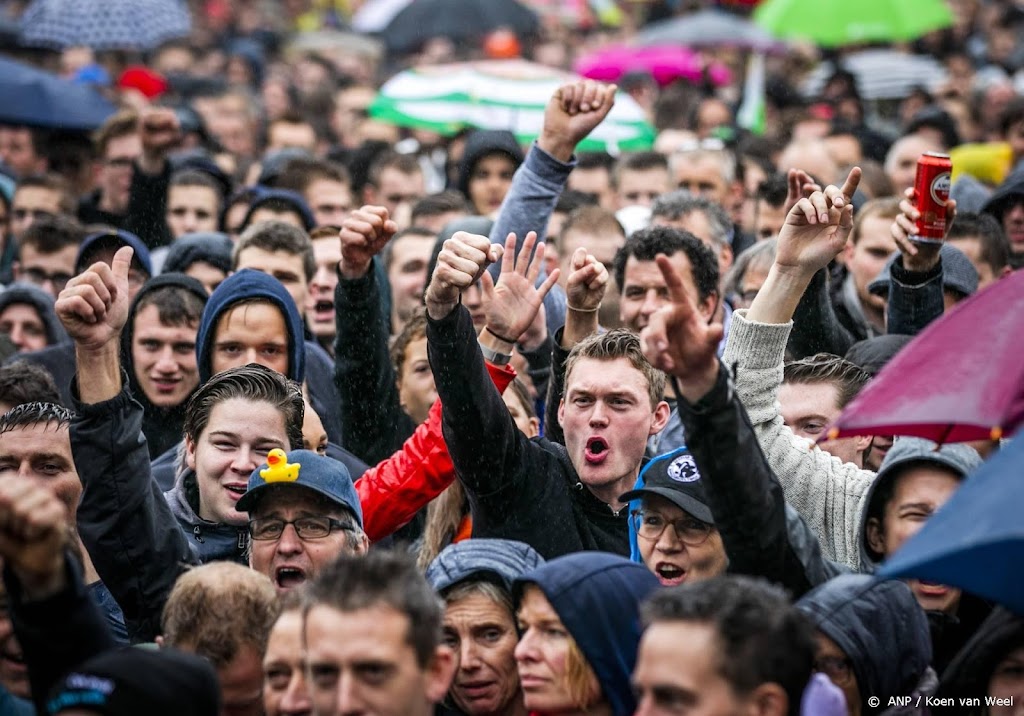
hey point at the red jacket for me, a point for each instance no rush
(397, 488)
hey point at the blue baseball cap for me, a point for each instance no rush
(323, 475)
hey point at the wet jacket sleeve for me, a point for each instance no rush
(396, 489)
(536, 187)
(147, 207)
(58, 633)
(371, 411)
(915, 298)
(484, 443)
(816, 329)
(135, 542)
(556, 386)
(745, 495)
(828, 493)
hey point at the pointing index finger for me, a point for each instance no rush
(676, 289)
(851, 183)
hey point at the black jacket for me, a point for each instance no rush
(762, 535)
(969, 674)
(147, 207)
(136, 544)
(518, 488)
(57, 633)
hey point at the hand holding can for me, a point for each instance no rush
(931, 192)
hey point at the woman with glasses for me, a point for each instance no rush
(672, 530)
(873, 643)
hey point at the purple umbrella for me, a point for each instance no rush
(665, 64)
(961, 379)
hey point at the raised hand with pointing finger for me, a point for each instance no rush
(94, 305)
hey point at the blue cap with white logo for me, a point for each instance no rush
(675, 478)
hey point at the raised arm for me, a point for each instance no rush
(125, 524)
(159, 132)
(371, 411)
(482, 439)
(585, 288)
(915, 277)
(56, 622)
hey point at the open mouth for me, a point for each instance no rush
(669, 574)
(933, 589)
(235, 490)
(476, 689)
(596, 450)
(289, 577)
(165, 385)
(323, 310)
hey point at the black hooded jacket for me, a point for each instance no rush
(881, 630)
(969, 674)
(482, 143)
(161, 426)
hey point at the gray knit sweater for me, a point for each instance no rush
(828, 493)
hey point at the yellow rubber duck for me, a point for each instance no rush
(278, 468)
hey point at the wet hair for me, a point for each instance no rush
(35, 413)
(993, 244)
(382, 579)
(248, 382)
(277, 236)
(618, 343)
(442, 202)
(217, 609)
(482, 586)
(847, 377)
(645, 244)
(413, 330)
(761, 637)
(680, 203)
(50, 234)
(175, 305)
(22, 382)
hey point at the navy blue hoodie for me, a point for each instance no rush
(244, 285)
(880, 628)
(597, 596)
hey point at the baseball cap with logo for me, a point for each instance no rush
(674, 477)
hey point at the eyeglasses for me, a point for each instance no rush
(305, 527)
(651, 525)
(836, 668)
(38, 277)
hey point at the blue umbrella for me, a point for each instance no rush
(104, 24)
(976, 540)
(38, 98)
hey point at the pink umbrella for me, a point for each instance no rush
(665, 63)
(960, 379)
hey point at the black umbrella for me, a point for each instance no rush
(38, 98)
(458, 20)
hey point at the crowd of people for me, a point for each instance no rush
(305, 413)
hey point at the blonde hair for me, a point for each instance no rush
(579, 677)
(444, 515)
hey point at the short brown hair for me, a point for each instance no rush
(50, 234)
(118, 125)
(413, 330)
(618, 343)
(886, 208)
(217, 609)
(590, 220)
(274, 236)
(847, 377)
(300, 172)
(52, 182)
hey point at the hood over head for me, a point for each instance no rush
(970, 672)
(481, 143)
(1010, 191)
(597, 596)
(880, 628)
(242, 286)
(213, 247)
(42, 303)
(958, 458)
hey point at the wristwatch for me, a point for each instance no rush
(493, 357)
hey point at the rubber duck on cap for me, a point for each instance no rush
(278, 468)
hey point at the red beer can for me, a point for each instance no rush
(932, 189)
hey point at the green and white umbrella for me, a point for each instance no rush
(499, 94)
